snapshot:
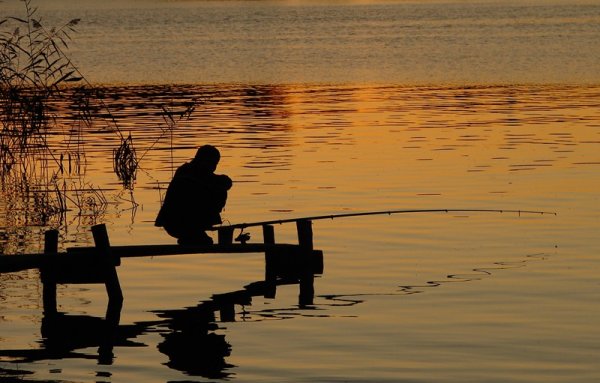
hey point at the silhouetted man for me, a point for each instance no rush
(195, 198)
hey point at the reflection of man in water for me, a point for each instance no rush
(195, 198)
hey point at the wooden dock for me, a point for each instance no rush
(97, 264)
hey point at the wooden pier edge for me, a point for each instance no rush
(98, 264)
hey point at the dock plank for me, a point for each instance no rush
(20, 262)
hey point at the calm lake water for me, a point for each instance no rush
(309, 124)
(402, 42)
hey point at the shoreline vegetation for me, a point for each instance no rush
(43, 154)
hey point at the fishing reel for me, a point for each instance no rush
(243, 237)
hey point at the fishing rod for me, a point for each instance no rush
(378, 212)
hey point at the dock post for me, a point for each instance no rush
(307, 277)
(227, 312)
(270, 268)
(111, 281)
(305, 234)
(48, 272)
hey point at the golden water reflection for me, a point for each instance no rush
(310, 148)
(389, 281)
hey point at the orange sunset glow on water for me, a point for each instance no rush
(318, 109)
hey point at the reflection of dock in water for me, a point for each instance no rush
(190, 342)
(189, 338)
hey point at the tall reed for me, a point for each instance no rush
(35, 73)
(42, 173)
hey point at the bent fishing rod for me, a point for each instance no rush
(378, 212)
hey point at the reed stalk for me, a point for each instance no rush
(42, 169)
(35, 75)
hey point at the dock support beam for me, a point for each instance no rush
(270, 262)
(307, 276)
(111, 279)
(48, 273)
